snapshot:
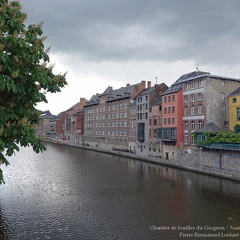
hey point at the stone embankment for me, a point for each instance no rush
(224, 164)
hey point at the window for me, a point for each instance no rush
(192, 110)
(200, 124)
(154, 132)
(185, 111)
(173, 98)
(150, 121)
(160, 108)
(165, 99)
(146, 98)
(150, 133)
(165, 109)
(238, 114)
(186, 138)
(173, 109)
(169, 98)
(155, 121)
(186, 86)
(223, 95)
(159, 120)
(199, 83)
(193, 126)
(192, 85)
(173, 120)
(185, 126)
(200, 97)
(186, 99)
(169, 109)
(150, 109)
(199, 109)
(192, 139)
(146, 115)
(234, 100)
(192, 98)
(165, 120)
(169, 120)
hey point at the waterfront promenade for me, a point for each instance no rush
(181, 164)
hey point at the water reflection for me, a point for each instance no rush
(69, 193)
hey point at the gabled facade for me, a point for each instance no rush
(171, 131)
(132, 126)
(60, 124)
(234, 110)
(144, 99)
(80, 126)
(71, 120)
(47, 125)
(155, 122)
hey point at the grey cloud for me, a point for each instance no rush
(139, 30)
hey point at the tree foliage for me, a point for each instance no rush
(25, 78)
(221, 137)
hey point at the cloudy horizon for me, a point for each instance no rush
(115, 42)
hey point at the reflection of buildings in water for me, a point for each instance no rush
(3, 226)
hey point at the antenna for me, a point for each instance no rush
(197, 67)
(156, 80)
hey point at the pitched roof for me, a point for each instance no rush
(235, 92)
(210, 127)
(174, 88)
(47, 115)
(156, 102)
(199, 74)
(120, 93)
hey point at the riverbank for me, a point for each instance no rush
(201, 162)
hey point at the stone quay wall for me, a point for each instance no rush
(220, 163)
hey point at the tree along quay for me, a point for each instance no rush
(224, 164)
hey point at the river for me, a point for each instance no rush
(72, 193)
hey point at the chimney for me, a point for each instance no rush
(128, 84)
(148, 84)
(144, 82)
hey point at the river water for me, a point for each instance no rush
(71, 193)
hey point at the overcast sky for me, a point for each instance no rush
(105, 43)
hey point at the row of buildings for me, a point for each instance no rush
(149, 120)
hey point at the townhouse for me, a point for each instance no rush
(70, 132)
(46, 126)
(106, 118)
(155, 122)
(171, 131)
(132, 126)
(60, 124)
(204, 101)
(234, 110)
(144, 99)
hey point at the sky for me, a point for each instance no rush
(103, 43)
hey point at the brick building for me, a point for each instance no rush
(71, 120)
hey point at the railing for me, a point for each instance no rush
(224, 146)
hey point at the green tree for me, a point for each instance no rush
(25, 78)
